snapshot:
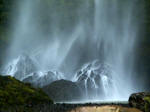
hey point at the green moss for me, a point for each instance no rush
(147, 104)
(14, 93)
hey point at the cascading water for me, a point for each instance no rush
(96, 80)
(61, 39)
(115, 35)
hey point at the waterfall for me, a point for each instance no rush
(63, 36)
(116, 36)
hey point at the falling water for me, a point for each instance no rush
(115, 35)
(63, 39)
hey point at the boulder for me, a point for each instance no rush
(63, 91)
(140, 101)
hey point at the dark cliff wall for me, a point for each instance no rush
(143, 49)
(6, 7)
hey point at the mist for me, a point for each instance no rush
(66, 37)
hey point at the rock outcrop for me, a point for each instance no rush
(140, 101)
(17, 95)
(21, 67)
(27, 69)
(40, 79)
(63, 90)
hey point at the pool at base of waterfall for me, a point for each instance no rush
(94, 102)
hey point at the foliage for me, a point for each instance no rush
(14, 93)
(147, 105)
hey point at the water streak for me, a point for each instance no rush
(65, 36)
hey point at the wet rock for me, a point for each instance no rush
(95, 79)
(26, 69)
(21, 67)
(63, 90)
(40, 79)
(140, 101)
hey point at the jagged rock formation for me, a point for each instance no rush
(95, 79)
(41, 79)
(26, 69)
(92, 81)
(21, 67)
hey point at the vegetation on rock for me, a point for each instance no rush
(15, 94)
(147, 104)
(140, 101)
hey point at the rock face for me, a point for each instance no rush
(14, 93)
(140, 101)
(40, 79)
(95, 79)
(26, 69)
(21, 67)
(63, 90)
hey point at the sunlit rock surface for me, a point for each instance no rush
(95, 79)
(105, 109)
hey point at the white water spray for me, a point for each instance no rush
(64, 41)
